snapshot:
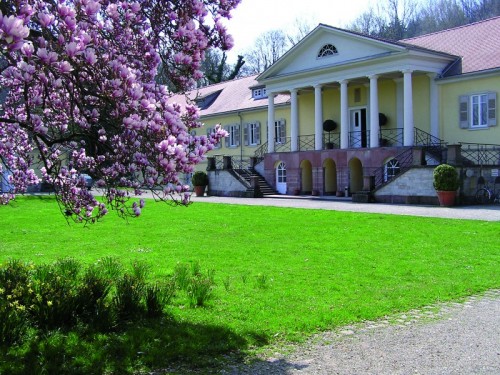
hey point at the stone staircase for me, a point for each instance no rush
(264, 187)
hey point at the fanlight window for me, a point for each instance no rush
(327, 50)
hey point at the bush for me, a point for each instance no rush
(199, 178)
(446, 178)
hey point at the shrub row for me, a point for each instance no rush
(101, 296)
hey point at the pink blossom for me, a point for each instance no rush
(112, 107)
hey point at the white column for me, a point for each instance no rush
(270, 122)
(408, 132)
(294, 120)
(374, 123)
(434, 105)
(318, 118)
(344, 115)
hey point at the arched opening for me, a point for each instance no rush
(355, 175)
(306, 179)
(391, 169)
(281, 177)
(330, 176)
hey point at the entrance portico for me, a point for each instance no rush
(354, 61)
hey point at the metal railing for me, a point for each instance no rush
(239, 163)
(306, 142)
(383, 176)
(391, 137)
(219, 161)
(359, 139)
(260, 152)
(283, 144)
(331, 141)
(422, 138)
(481, 154)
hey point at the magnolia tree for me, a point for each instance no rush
(82, 98)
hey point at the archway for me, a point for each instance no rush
(306, 179)
(355, 175)
(391, 168)
(330, 176)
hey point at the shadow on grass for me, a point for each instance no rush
(152, 345)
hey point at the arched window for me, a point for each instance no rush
(327, 50)
(391, 169)
(281, 173)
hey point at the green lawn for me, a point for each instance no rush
(281, 273)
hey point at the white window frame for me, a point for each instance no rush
(478, 110)
(252, 133)
(391, 169)
(233, 137)
(259, 93)
(280, 131)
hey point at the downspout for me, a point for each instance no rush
(242, 138)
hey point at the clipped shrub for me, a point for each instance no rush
(445, 178)
(199, 178)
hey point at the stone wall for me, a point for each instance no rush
(224, 184)
(414, 186)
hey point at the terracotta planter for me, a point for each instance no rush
(446, 198)
(199, 191)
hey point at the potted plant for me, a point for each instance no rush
(329, 126)
(199, 181)
(446, 183)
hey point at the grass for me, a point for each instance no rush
(281, 273)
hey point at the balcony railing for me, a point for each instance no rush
(391, 137)
(360, 139)
(306, 142)
(331, 141)
(282, 144)
(481, 154)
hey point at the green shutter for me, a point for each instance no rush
(464, 111)
(492, 109)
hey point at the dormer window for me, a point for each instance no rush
(327, 50)
(259, 93)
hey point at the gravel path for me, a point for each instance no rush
(453, 338)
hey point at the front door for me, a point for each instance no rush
(281, 178)
(357, 135)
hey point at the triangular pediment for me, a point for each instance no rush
(315, 51)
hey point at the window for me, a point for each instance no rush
(210, 131)
(280, 131)
(259, 93)
(251, 133)
(233, 138)
(281, 173)
(391, 169)
(327, 50)
(478, 110)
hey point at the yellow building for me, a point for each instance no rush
(344, 113)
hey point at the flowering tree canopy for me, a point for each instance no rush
(81, 97)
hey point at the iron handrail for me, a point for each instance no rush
(405, 161)
(481, 154)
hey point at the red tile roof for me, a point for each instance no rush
(477, 43)
(234, 96)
